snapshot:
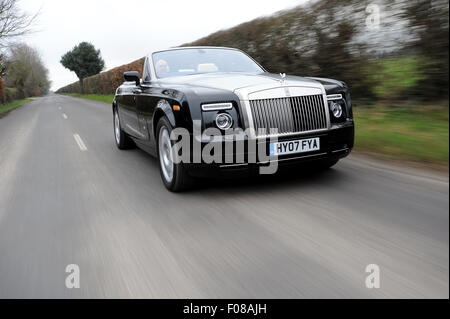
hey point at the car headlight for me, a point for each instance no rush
(222, 115)
(336, 109)
(337, 105)
(224, 121)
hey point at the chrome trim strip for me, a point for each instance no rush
(134, 130)
(233, 165)
(341, 150)
(291, 134)
(332, 97)
(292, 158)
(152, 67)
(217, 106)
(283, 159)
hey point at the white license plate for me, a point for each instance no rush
(295, 146)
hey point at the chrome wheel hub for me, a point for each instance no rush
(165, 154)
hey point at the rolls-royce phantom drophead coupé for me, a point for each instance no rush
(206, 111)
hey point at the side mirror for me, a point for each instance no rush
(132, 76)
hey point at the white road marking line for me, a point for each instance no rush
(80, 142)
(64, 116)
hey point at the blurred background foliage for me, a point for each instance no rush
(22, 71)
(397, 70)
(25, 73)
(405, 56)
(104, 83)
(393, 77)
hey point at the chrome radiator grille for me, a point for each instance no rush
(289, 114)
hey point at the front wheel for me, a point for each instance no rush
(173, 175)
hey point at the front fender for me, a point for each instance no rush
(163, 108)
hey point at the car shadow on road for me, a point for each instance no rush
(285, 178)
(298, 177)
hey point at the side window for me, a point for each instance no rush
(146, 71)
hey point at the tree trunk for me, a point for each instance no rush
(2, 92)
(81, 86)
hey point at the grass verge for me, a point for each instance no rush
(411, 133)
(96, 97)
(10, 106)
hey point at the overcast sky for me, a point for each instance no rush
(126, 30)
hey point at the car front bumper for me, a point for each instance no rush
(335, 143)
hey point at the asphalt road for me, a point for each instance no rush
(278, 237)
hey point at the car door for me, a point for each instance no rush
(145, 109)
(128, 111)
(145, 104)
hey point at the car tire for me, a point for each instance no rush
(174, 175)
(123, 141)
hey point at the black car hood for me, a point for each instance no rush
(330, 85)
(234, 81)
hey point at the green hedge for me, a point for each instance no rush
(104, 83)
(12, 94)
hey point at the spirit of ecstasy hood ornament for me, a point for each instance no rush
(283, 76)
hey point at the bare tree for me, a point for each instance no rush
(26, 71)
(13, 21)
(13, 24)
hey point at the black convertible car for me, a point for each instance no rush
(206, 111)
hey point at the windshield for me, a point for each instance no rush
(196, 61)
